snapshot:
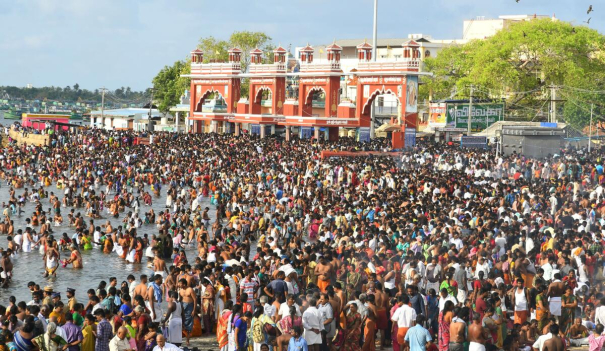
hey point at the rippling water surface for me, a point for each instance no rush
(97, 265)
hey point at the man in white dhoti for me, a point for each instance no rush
(313, 323)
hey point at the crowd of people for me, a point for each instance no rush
(431, 248)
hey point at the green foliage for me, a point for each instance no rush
(169, 85)
(520, 63)
(248, 41)
(70, 94)
(214, 50)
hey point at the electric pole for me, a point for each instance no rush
(553, 104)
(102, 106)
(375, 34)
(150, 106)
(590, 132)
(470, 112)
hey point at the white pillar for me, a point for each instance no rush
(262, 131)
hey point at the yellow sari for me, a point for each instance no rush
(88, 343)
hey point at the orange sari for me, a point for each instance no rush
(221, 329)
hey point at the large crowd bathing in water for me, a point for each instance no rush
(263, 245)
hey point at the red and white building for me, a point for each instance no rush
(269, 107)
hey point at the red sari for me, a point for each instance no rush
(444, 333)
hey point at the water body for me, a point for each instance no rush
(97, 265)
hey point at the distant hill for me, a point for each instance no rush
(73, 94)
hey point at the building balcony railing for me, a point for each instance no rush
(406, 64)
(216, 68)
(315, 67)
(214, 108)
(267, 68)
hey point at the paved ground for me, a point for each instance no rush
(208, 343)
(205, 343)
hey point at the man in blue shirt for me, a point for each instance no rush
(297, 342)
(417, 336)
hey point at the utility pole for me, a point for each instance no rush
(470, 111)
(590, 132)
(375, 34)
(553, 104)
(150, 106)
(102, 107)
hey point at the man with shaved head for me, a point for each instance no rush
(163, 345)
(120, 342)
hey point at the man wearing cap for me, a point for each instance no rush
(48, 292)
(71, 299)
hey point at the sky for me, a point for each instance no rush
(120, 43)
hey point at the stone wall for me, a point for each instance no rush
(30, 139)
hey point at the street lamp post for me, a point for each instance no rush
(375, 34)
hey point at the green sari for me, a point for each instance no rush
(567, 314)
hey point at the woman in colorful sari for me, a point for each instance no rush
(499, 319)
(88, 341)
(49, 341)
(222, 325)
(75, 258)
(569, 302)
(353, 332)
(542, 311)
(286, 325)
(450, 284)
(445, 318)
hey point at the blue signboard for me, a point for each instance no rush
(477, 142)
(410, 137)
(255, 129)
(306, 132)
(548, 125)
(364, 134)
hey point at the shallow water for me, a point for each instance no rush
(97, 265)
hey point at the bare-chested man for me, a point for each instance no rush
(382, 306)
(521, 263)
(477, 335)
(159, 266)
(141, 289)
(369, 333)
(554, 343)
(458, 330)
(323, 272)
(556, 289)
(188, 299)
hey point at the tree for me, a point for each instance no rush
(214, 50)
(76, 87)
(248, 41)
(169, 85)
(520, 64)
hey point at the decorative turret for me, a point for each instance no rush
(235, 55)
(410, 50)
(364, 52)
(197, 56)
(334, 52)
(256, 56)
(279, 55)
(306, 54)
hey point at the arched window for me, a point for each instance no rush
(427, 53)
